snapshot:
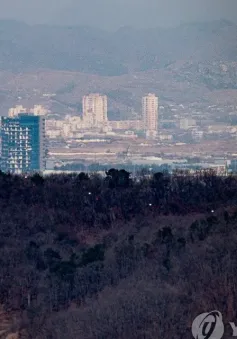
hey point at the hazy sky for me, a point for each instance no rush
(117, 13)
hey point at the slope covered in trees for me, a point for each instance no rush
(114, 258)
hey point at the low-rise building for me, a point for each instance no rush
(197, 135)
(126, 125)
(166, 137)
(187, 124)
(14, 111)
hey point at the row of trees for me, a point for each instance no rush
(95, 200)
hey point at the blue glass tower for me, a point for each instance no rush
(23, 144)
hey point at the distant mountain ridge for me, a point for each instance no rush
(94, 51)
(191, 63)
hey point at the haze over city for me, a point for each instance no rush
(112, 14)
(118, 169)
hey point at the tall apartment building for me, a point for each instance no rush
(150, 114)
(95, 110)
(23, 144)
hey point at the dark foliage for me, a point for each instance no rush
(137, 258)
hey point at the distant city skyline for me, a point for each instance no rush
(112, 14)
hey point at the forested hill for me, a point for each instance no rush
(100, 258)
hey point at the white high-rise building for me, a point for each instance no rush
(150, 114)
(95, 109)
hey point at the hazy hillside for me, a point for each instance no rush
(182, 65)
(84, 49)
